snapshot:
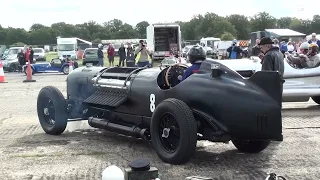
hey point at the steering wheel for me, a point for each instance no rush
(174, 74)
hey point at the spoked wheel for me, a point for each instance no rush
(169, 132)
(65, 70)
(173, 131)
(52, 110)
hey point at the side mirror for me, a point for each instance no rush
(215, 70)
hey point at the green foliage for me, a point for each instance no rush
(208, 25)
(227, 36)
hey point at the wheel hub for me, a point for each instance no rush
(46, 111)
(166, 132)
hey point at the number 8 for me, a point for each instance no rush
(152, 102)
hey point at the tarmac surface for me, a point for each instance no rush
(26, 152)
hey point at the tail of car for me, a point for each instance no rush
(270, 82)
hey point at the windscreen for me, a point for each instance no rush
(91, 51)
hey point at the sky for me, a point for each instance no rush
(22, 14)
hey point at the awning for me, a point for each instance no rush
(285, 32)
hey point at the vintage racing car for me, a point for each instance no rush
(300, 83)
(216, 104)
(56, 65)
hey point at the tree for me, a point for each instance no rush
(227, 36)
(208, 25)
(141, 28)
(241, 25)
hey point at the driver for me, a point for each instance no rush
(196, 56)
(308, 57)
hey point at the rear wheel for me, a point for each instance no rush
(174, 131)
(250, 146)
(52, 110)
(65, 69)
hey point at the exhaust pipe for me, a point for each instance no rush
(117, 128)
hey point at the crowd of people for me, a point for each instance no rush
(24, 57)
(140, 56)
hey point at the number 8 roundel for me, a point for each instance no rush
(152, 102)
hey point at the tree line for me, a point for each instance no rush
(208, 25)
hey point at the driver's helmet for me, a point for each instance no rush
(313, 49)
(196, 53)
(100, 46)
(304, 47)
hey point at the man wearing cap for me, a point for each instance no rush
(273, 58)
(314, 39)
(234, 50)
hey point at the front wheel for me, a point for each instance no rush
(250, 146)
(173, 131)
(65, 69)
(52, 110)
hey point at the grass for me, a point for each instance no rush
(52, 55)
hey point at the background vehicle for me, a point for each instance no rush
(68, 47)
(4, 54)
(210, 45)
(163, 39)
(90, 55)
(300, 83)
(185, 50)
(116, 49)
(56, 65)
(10, 62)
(153, 103)
(39, 54)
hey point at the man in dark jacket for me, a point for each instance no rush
(130, 55)
(314, 39)
(256, 49)
(31, 55)
(234, 50)
(21, 59)
(122, 55)
(273, 58)
(100, 55)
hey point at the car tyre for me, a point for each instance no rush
(52, 110)
(65, 69)
(13, 68)
(185, 131)
(316, 99)
(250, 146)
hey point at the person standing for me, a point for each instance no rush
(100, 55)
(142, 55)
(111, 53)
(273, 58)
(31, 55)
(234, 50)
(122, 55)
(314, 39)
(130, 55)
(21, 59)
(256, 49)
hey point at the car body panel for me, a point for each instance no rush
(299, 85)
(56, 65)
(200, 92)
(90, 55)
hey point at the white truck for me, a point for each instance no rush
(210, 45)
(163, 39)
(68, 47)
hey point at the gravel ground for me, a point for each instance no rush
(26, 152)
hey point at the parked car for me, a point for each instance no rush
(4, 54)
(153, 104)
(39, 54)
(56, 65)
(300, 83)
(10, 61)
(90, 55)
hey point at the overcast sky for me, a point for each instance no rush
(22, 13)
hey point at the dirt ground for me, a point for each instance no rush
(26, 152)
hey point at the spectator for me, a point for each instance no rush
(27, 55)
(283, 47)
(122, 55)
(31, 55)
(314, 39)
(130, 55)
(256, 49)
(276, 42)
(142, 55)
(111, 53)
(290, 47)
(21, 59)
(100, 55)
(234, 50)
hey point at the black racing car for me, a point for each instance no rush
(216, 104)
